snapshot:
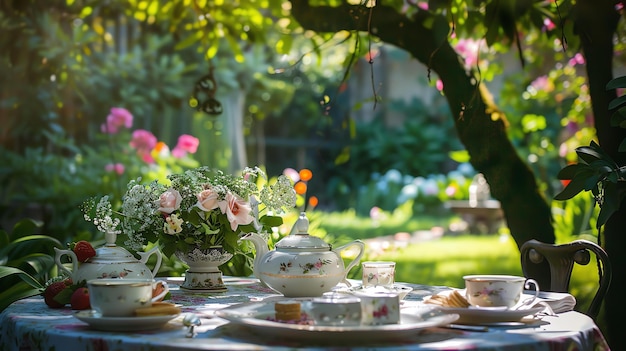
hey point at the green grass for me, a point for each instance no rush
(348, 224)
(446, 260)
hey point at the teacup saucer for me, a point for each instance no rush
(401, 290)
(99, 322)
(486, 315)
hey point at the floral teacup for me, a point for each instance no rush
(378, 273)
(121, 297)
(497, 290)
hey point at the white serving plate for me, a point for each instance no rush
(254, 315)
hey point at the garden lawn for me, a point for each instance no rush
(445, 261)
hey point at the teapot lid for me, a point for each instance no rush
(112, 253)
(299, 237)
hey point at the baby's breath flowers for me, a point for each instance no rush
(103, 217)
(201, 207)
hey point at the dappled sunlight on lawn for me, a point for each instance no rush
(445, 260)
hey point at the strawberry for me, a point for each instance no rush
(52, 290)
(83, 250)
(80, 299)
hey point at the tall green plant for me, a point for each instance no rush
(26, 262)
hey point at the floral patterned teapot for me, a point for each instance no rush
(111, 261)
(301, 265)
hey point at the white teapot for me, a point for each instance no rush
(301, 265)
(111, 261)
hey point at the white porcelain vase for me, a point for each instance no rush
(204, 274)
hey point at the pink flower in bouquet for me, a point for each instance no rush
(186, 144)
(237, 210)
(170, 201)
(207, 200)
(118, 117)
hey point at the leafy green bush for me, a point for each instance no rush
(421, 146)
(44, 186)
(26, 261)
(348, 225)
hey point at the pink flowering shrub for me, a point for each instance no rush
(144, 142)
(132, 151)
(118, 117)
(186, 144)
(470, 49)
(115, 167)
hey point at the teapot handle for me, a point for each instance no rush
(146, 255)
(57, 259)
(355, 261)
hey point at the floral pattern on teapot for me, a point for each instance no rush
(114, 274)
(315, 267)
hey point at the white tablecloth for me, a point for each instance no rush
(30, 325)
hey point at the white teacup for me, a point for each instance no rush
(336, 310)
(497, 290)
(379, 308)
(121, 297)
(379, 273)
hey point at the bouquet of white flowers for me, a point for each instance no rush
(199, 208)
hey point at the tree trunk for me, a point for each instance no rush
(481, 127)
(596, 23)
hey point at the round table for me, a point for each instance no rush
(29, 324)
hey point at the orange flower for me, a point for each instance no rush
(300, 188)
(313, 201)
(160, 146)
(305, 175)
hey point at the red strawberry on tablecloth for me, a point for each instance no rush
(83, 250)
(52, 293)
(80, 299)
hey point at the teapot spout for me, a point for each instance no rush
(261, 248)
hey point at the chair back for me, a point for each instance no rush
(551, 266)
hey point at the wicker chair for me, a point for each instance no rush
(551, 266)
